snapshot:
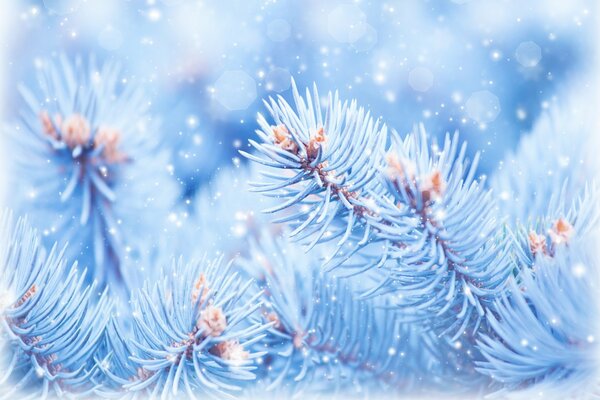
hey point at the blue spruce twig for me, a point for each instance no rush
(88, 166)
(544, 328)
(413, 280)
(554, 155)
(192, 333)
(425, 209)
(327, 340)
(51, 323)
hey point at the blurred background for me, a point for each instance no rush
(488, 68)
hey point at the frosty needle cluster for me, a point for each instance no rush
(404, 275)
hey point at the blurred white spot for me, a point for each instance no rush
(279, 30)
(528, 54)
(521, 114)
(110, 38)
(367, 41)
(420, 79)
(62, 6)
(347, 23)
(235, 90)
(390, 96)
(483, 106)
(564, 161)
(192, 121)
(279, 79)
(440, 214)
(6, 300)
(239, 230)
(154, 14)
(579, 270)
(461, 1)
(457, 97)
(524, 342)
(392, 351)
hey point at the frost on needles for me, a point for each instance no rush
(391, 267)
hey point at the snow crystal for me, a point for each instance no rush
(347, 23)
(528, 54)
(483, 106)
(367, 41)
(278, 79)
(235, 90)
(420, 79)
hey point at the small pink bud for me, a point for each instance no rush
(212, 321)
(273, 317)
(317, 140)
(283, 139)
(399, 168)
(200, 286)
(110, 139)
(298, 340)
(537, 243)
(47, 125)
(75, 131)
(433, 186)
(231, 350)
(561, 231)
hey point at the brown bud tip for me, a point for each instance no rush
(433, 186)
(109, 138)
(283, 139)
(317, 139)
(212, 321)
(48, 125)
(298, 340)
(561, 231)
(75, 131)
(231, 350)
(399, 168)
(537, 243)
(200, 290)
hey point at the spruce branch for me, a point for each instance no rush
(192, 333)
(51, 322)
(543, 329)
(441, 240)
(88, 165)
(324, 337)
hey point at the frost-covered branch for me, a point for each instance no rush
(51, 323)
(86, 166)
(424, 206)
